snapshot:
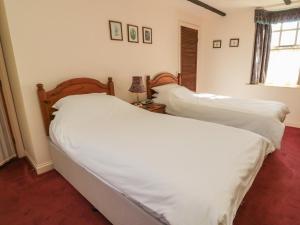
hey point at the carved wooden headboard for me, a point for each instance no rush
(75, 86)
(161, 79)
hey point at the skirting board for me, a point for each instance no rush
(42, 167)
(297, 125)
(5, 161)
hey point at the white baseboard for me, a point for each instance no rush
(297, 125)
(9, 158)
(42, 167)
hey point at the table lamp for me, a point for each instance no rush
(137, 87)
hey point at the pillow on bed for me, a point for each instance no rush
(177, 90)
(76, 99)
(166, 87)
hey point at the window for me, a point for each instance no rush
(284, 62)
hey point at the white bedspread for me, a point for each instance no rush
(262, 117)
(187, 172)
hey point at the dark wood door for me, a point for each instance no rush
(189, 50)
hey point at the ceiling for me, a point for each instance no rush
(230, 5)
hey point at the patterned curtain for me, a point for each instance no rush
(7, 148)
(263, 35)
(261, 53)
(299, 78)
(272, 17)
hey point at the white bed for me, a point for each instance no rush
(178, 170)
(262, 117)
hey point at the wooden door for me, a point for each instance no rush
(189, 50)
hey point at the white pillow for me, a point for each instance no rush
(175, 90)
(76, 100)
(166, 87)
(182, 92)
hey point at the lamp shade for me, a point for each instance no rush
(137, 85)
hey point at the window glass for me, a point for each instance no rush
(284, 63)
(276, 27)
(288, 38)
(275, 39)
(284, 66)
(289, 25)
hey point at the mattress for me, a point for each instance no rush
(262, 117)
(183, 171)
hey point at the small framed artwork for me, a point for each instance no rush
(234, 42)
(133, 33)
(116, 32)
(147, 35)
(217, 44)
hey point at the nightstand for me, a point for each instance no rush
(154, 107)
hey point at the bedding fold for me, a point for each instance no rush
(262, 117)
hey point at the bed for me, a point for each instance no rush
(262, 117)
(165, 170)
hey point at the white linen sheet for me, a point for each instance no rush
(262, 117)
(187, 171)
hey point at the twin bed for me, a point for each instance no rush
(143, 168)
(262, 117)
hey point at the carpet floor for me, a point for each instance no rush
(48, 199)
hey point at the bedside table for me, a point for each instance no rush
(154, 107)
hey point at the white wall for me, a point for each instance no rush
(227, 70)
(60, 39)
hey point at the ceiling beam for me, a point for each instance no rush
(210, 8)
(287, 2)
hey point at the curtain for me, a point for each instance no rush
(272, 17)
(299, 78)
(263, 35)
(7, 149)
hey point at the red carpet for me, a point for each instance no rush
(27, 199)
(274, 198)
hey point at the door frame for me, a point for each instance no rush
(195, 27)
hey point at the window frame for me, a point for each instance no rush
(280, 31)
(279, 47)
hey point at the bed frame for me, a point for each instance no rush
(118, 209)
(161, 79)
(75, 86)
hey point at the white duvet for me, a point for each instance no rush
(262, 117)
(183, 171)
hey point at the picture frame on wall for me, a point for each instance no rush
(217, 44)
(234, 42)
(147, 35)
(115, 28)
(133, 33)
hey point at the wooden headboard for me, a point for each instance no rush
(75, 86)
(161, 79)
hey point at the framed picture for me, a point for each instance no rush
(147, 35)
(234, 42)
(217, 44)
(116, 32)
(133, 33)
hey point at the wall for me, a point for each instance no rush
(50, 41)
(227, 70)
